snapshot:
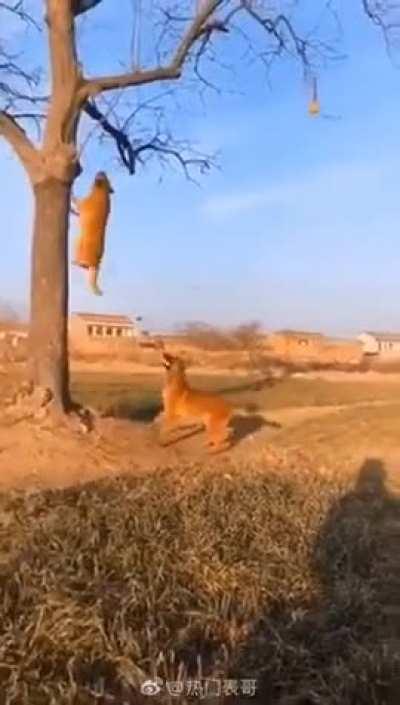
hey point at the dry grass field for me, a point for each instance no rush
(138, 395)
(276, 563)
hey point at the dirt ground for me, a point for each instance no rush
(334, 436)
(33, 456)
(315, 464)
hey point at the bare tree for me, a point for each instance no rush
(188, 33)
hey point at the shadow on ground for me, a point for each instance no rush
(145, 411)
(243, 426)
(251, 385)
(344, 647)
(239, 574)
(247, 425)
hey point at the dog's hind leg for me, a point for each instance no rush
(219, 435)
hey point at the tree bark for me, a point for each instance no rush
(49, 291)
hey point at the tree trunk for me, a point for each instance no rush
(49, 291)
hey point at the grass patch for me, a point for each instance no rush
(276, 576)
(345, 434)
(138, 397)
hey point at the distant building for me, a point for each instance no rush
(13, 341)
(85, 328)
(293, 343)
(383, 344)
(13, 333)
(341, 351)
(306, 346)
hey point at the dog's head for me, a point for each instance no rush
(167, 360)
(173, 364)
(101, 179)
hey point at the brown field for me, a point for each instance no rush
(276, 562)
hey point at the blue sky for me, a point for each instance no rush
(298, 228)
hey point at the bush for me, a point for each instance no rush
(246, 336)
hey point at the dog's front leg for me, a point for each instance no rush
(170, 424)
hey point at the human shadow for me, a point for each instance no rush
(343, 647)
(86, 570)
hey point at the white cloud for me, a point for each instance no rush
(340, 182)
(234, 203)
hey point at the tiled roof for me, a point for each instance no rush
(13, 327)
(385, 337)
(299, 334)
(105, 318)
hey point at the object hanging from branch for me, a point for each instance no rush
(93, 214)
(314, 107)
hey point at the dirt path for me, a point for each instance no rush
(36, 456)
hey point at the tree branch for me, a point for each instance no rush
(374, 11)
(131, 152)
(385, 14)
(65, 75)
(198, 26)
(17, 9)
(124, 146)
(16, 82)
(19, 141)
(281, 29)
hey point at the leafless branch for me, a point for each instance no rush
(133, 152)
(385, 14)
(286, 38)
(187, 38)
(172, 71)
(18, 83)
(17, 8)
(382, 12)
(17, 138)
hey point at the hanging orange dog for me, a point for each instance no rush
(93, 212)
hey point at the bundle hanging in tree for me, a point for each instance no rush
(314, 107)
(93, 212)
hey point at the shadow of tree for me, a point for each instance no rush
(343, 648)
(252, 385)
(145, 410)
